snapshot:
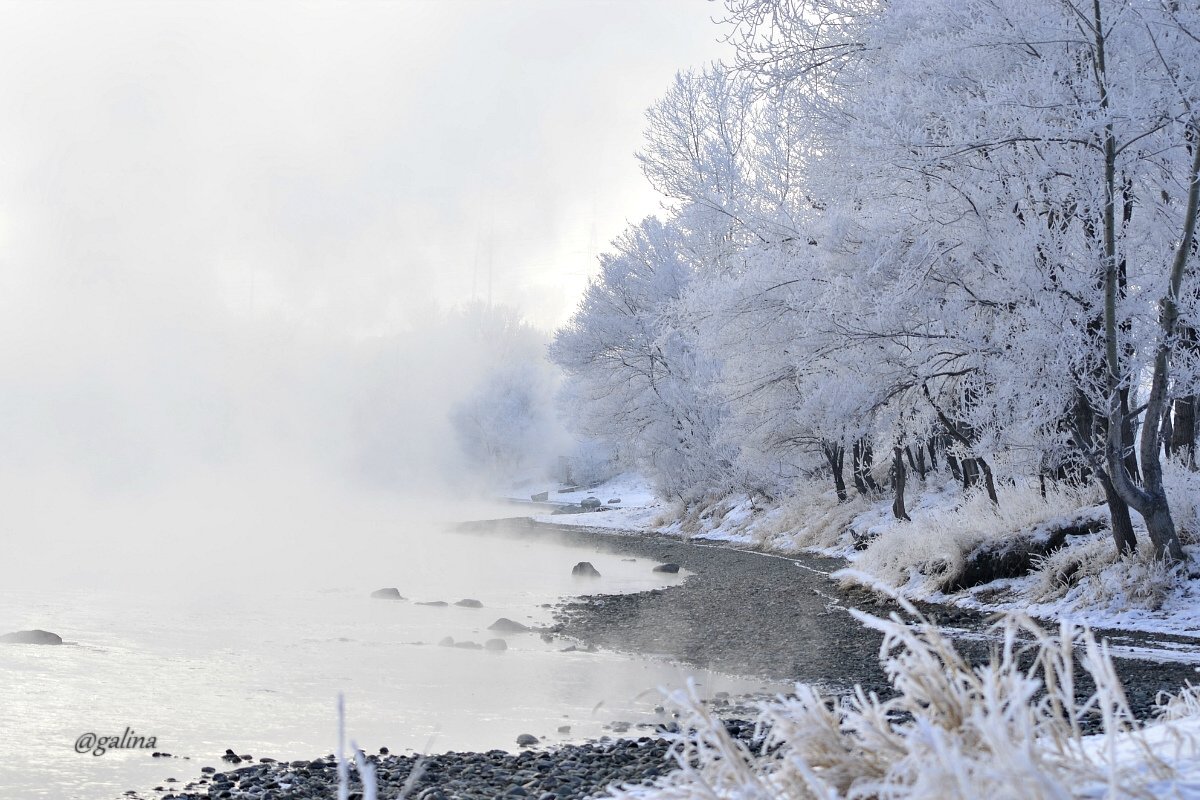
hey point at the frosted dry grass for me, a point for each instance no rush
(1010, 729)
(810, 519)
(926, 554)
(1184, 704)
(1182, 486)
(1092, 575)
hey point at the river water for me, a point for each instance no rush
(255, 663)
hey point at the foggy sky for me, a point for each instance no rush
(206, 209)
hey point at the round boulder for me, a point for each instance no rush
(35, 636)
(496, 645)
(584, 569)
(527, 740)
(506, 625)
(669, 568)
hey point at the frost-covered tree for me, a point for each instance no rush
(504, 421)
(920, 227)
(638, 378)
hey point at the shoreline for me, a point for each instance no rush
(786, 591)
(741, 611)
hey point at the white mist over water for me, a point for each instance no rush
(243, 258)
(245, 645)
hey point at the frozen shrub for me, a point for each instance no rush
(1010, 729)
(1094, 576)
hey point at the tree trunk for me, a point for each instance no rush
(1182, 440)
(970, 475)
(1118, 510)
(862, 462)
(1118, 514)
(1149, 499)
(1183, 430)
(835, 454)
(989, 482)
(898, 476)
(955, 469)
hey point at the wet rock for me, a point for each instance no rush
(496, 645)
(469, 603)
(468, 645)
(506, 625)
(527, 740)
(391, 593)
(447, 642)
(612, 501)
(540, 497)
(35, 636)
(671, 568)
(584, 569)
(436, 603)
(590, 502)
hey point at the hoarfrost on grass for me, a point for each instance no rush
(1014, 728)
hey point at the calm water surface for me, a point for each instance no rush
(256, 663)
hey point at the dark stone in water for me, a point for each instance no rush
(496, 645)
(584, 569)
(469, 603)
(447, 642)
(670, 567)
(590, 502)
(391, 593)
(468, 645)
(506, 625)
(540, 497)
(438, 603)
(612, 501)
(35, 636)
(527, 740)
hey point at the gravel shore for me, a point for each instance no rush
(565, 773)
(740, 612)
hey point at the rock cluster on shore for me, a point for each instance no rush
(565, 773)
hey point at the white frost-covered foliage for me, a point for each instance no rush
(914, 226)
(640, 381)
(1013, 728)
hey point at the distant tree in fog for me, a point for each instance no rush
(504, 423)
